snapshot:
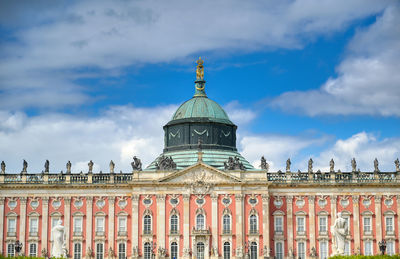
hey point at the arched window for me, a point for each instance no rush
(77, 250)
(253, 250)
(147, 224)
(227, 250)
(174, 250)
(200, 221)
(174, 224)
(147, 250)
(226, 223)
(253, 224)
(200, 249)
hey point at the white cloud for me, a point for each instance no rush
(368, 78)
(238, 114)
(53, 46)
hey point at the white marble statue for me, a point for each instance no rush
(58, 238)
(339, 231)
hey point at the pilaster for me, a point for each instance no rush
(239, 225)
(135, 223)
(160, 222)
(378, 213)
(22, 226)
(398, 223)
(2, 223)
(186, 226)
(265, 211)
(356, 222)
(333, 199)
(311, 208)
(289, 212)
(89, 223)
(214, 227)
(45, 222)
(67, 221)
(111, 217)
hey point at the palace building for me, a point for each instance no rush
(199, 199)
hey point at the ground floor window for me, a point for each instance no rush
(147, 250)
(253, 250)
(77, 250)
(121, 251)
(33, 250)
(368, 248)
(279, 250)
(347, 248)
(227, 250)
(99, 251)
(301, 250)
(390, 247)
(323, 250)
(200, 250)
(10, 250)
(174, 250)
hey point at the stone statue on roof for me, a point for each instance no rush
(396, 163)
(310, 165)
(112, 166)
(376, 165)
(136, 164)
(90, 164)
(332, 166)
(3, 167)
(200, 69)
(353, 165)
(264, 165)
(288, 163)
(47, 166)
(24, 166)
(68, 165)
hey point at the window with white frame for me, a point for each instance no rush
(11, 225)
(77, 250)
(100, 224)
(227, 250)
(122, 224)
(347, 248)
(253, 224)
(174, 250)
(200, 250)
(99, 251)
(390, 247)
(147, 250)
(389, 223)
(368, 247)
(11, 250)
(32, 250)
(279, 250)
(278, 223)
(78, 225)
(301, 224)
(323, 249)
(323, 224)
(226, 224)
(174, 224)
(200, 221)
(301, 250)
(253, 250)
(367, 224)
(147, 224)
(33, 225)
(121, 250)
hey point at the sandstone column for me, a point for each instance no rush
(89, 223)
(266, 234)
(289, 212)
(214, 227)
(111, 216)
(311, 208)
(186, 226)
(398, 221)
(160, 221)
(45, 223)
(378, 213)
(2, 223)
(67, 221)
(239, 225)
(135, 224)
(356, 223)
(22, 225)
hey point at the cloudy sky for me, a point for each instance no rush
(97, 80)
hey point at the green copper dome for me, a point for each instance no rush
(201, 107)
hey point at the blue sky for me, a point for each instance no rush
(93, 80)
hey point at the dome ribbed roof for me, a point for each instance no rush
(201, 107)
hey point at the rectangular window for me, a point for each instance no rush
(368, 248)
(99, 224)
(278, 224)
(279, 250)
(121, 251)
(323, 249)
(390, 247)
(12, 225)
(33, 225)
(323, 222)
(32, 250)
(300, 224)
(301, 250)
(77, 250)
(78, 224)
(99, 251)
(367, 224)
(10, 250)
(122, 224)
(389, 224)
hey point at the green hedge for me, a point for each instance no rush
(366, 257)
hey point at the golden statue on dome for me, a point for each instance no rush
(200, 69)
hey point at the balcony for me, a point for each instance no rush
(33, 234)
(200, 232)
(173, 232)
(226, 232)
(77, 233)
(100, 233)
(11, 233)
(122, 233)
(253, 232)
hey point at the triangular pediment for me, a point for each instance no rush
(200, 172)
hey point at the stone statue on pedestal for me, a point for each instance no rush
(58, 238)
(112, 166)
(310, 165)
(376, 165)
(288, 163)
(3, 167)
(68, 165)
(332, 166)
(47, 166)
(24, 166)
(136, 164)
(339, 231)
(396, 163)
(264, 164)
(353, 165)
(90, 165)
